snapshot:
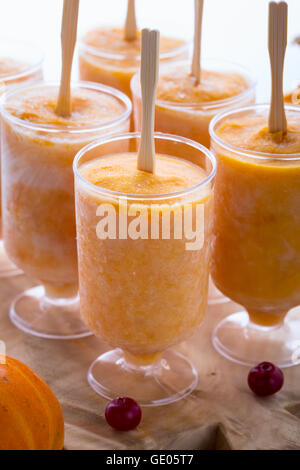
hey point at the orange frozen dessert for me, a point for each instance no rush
(14, 72)
(183, 108)
(38, 151)
(105, 56)
(256, 238)
(288, 98)
(9, 66)
(142, 295)
(293, 97)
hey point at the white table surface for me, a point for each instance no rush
(234, 30)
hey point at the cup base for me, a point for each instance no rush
(247, 343)
(7, 268)
(171, 378)
(215, 296)
(35, 314)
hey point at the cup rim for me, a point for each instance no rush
(250, 153)
(72, 129)
(133, 135)
(102, 53)
(31, 68)
(204, 105)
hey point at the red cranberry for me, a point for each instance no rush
(123, 414)
(265, 379)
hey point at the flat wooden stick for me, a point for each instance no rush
(277, 47)
(196, 62)
(149, 78)
(130, 28)
(68, 40)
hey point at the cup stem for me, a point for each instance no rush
(266, 319)
(248, 342)
(54, 291)
(168, 378)
(52, 317)
(142, 360)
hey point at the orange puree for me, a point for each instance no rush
(288, 98)
(14, 72)
(9, 66)
(114, 60)
(112, 40)
(293, 96)
(185, 109)
(144, 294)
(256, 241)
(10, 69)
(39, 228)
(89, 108)
(253, 134)
(122, 175)
(214, 86)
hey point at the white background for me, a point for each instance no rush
(235, 30)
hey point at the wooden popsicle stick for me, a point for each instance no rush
(149, 78)
(277, 47)
(130, 28)
(196, 62)
(68, 40)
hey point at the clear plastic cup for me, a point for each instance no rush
(28, 56)
(30, 60)
(256, 248)
(143, 295)
(191, 120)
(117, 69)
(39, 214)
